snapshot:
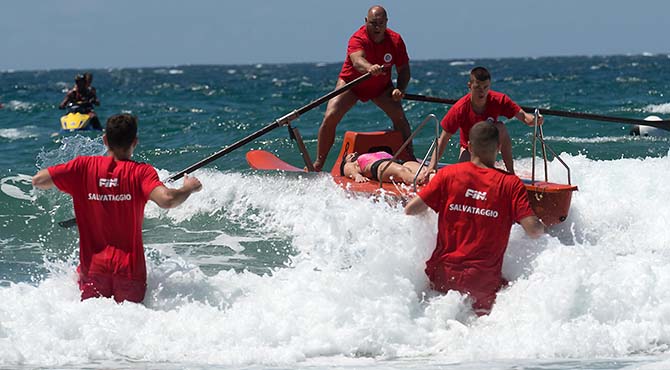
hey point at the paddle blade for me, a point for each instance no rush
(262, 160)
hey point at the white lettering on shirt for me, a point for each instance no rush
(110, 197)
(474, 194)
(108, 183)
(473, 210)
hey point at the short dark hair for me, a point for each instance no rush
(121, 130)
(484, 137)
(480, 74)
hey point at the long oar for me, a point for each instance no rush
(664, 125)
(284, 120)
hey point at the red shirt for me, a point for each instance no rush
(109, 198)
(462, 116)
(476, 210)
(391, 51)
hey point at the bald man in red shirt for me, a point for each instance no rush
(370, 49)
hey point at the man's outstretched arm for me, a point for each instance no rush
(42, 180)
(170, 198)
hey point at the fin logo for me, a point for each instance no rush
(108, 183)
(474, 194)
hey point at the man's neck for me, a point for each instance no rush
(483, 163)
(120, 155)
(478, 108)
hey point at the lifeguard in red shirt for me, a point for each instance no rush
(371, 48)
(481, 104)
(477, 205)
(109, 194)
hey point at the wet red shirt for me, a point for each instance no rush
(462, 116)
(109, 198)
(476, 210)
(391, 51)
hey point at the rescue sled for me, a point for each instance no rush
(550, 201)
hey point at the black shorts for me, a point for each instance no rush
(374, 168)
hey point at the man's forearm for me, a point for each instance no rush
(404, 77)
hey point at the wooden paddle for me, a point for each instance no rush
(281, 121)
(663, 125)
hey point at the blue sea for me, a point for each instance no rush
(285, 270)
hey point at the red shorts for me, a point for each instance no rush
(107, 285)
(365, 92)
(481, 286)
(108, 276)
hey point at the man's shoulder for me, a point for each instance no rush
(462, 104)
(139, 166)
(360, 33)
(499, 97)
(395, 36)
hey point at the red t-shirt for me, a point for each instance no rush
(476, 210)
(462, 116)
(109, 198)
(391, 51)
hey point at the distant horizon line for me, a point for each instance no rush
(464, 59)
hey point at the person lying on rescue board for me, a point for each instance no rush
(366, 166)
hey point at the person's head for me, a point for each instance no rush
(80, 81)
(121, 133)
(484, 141)
(375, 23)
(479, 84)
(348, 164)
(88, 76)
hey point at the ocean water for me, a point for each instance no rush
(283, 271)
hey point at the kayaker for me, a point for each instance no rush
(370, 48)
(109, 194)
(477, 205)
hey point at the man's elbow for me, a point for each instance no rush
(536, 230)
(168, 201)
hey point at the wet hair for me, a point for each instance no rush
(480, 74)
(121, 131)
(88, 76)
(484, 137)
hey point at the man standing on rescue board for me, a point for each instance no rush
(477, 205)
(109, 194)
(370, 48)
(481, 104)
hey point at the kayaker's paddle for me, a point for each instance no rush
(281, 121)
(663, 125)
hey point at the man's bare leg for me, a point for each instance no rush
(335, 111)
(394, 111)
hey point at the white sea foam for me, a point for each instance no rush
(355, 294)
(658, 108)
(462, 63)
(18, 105)
(20, 133)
